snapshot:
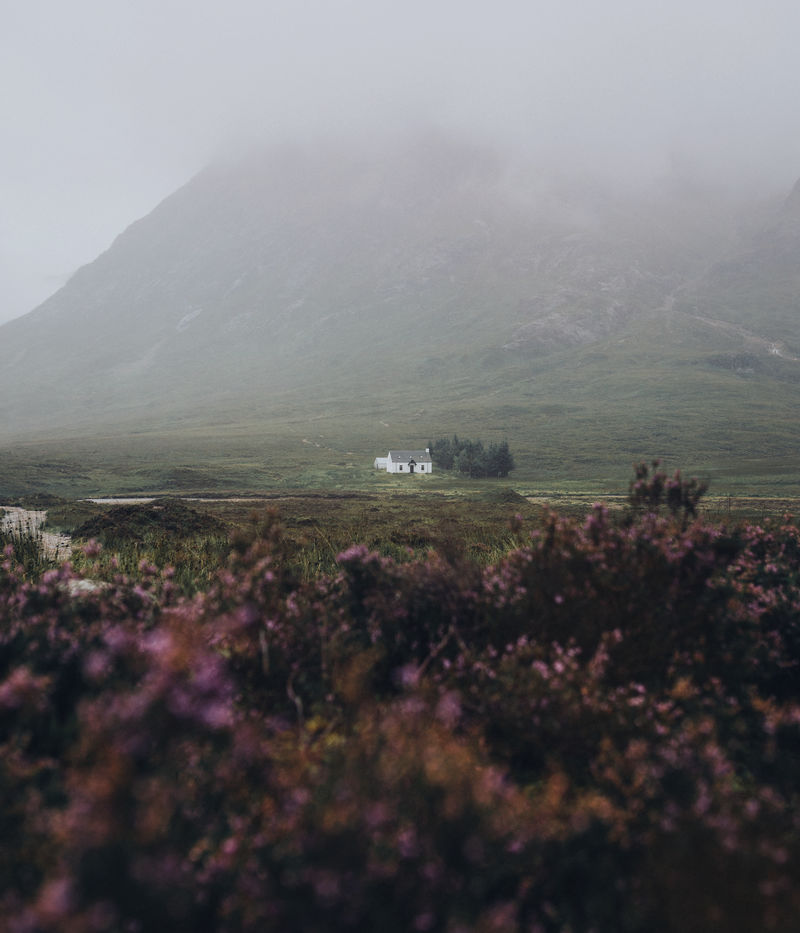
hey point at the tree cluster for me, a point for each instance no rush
(471, 457)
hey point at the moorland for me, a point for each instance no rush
(286, 691)
(403, 709)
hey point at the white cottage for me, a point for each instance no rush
(406, 461)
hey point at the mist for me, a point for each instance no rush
(110, 106)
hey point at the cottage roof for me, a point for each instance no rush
(420, 456)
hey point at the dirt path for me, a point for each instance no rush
(55, 546)
(773, 347)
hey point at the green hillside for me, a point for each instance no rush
(283, 319)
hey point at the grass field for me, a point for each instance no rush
(462, 520)
(237, 461)
(575, 423)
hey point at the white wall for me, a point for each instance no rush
(402, 467)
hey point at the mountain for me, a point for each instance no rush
(424, 285)
(756, 286)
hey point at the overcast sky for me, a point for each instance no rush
(109, 105)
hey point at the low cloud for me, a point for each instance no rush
(115, 105)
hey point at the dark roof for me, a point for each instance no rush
(421, 456)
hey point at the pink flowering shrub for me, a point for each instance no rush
(651, 489)
(601, 732)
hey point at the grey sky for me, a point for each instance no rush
(109, 105)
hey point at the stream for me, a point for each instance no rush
(14, 519)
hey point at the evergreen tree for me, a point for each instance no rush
(470, 457)
(504, 460)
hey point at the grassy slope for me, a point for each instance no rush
(737, 431)
(575, 419)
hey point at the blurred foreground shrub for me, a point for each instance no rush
(600, 732)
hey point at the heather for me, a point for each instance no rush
(597, 731)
